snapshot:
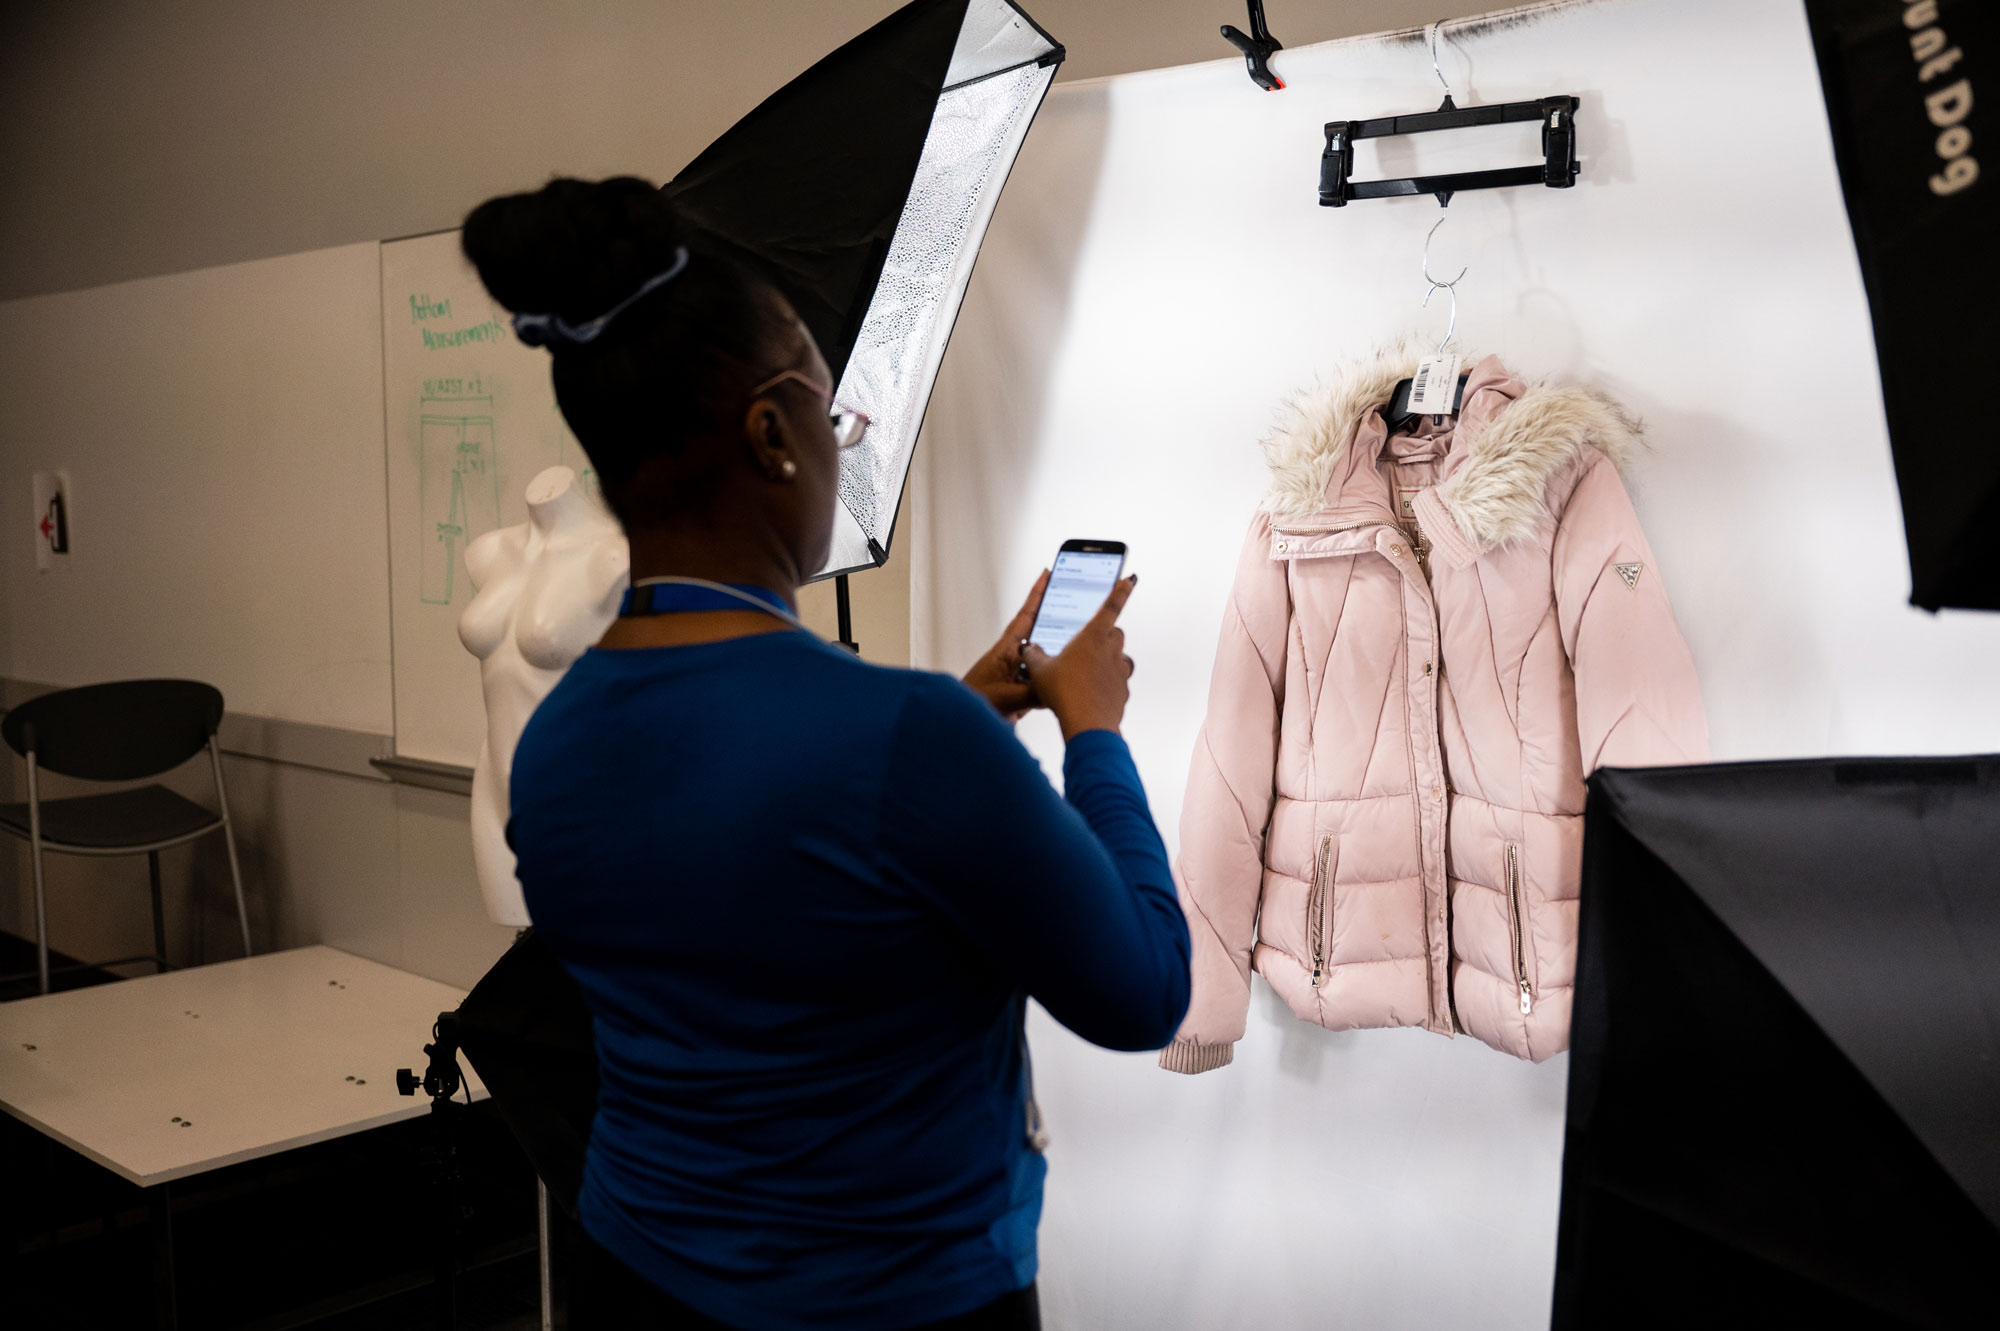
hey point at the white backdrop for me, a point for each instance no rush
(1158, 275)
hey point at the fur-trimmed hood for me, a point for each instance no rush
(1514, 441)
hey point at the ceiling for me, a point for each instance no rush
(139, 137)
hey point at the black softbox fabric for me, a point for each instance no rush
(527, 1033)
(862, 189)
(1910, 86)
(1784, 1095)
(807, 188)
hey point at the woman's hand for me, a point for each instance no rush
(997, 676)
(1087, 683)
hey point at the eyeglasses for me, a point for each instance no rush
(848, 425)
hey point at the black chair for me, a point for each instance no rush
(125, 731)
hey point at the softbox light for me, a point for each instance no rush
(862, 189)
(1919, 158)
(1784, 1093)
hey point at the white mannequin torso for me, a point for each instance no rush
(546, 590)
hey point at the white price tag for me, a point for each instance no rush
(1434, 392)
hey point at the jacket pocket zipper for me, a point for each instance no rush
(1317, 912)
(1517, 928)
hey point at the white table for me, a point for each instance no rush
(168, 1076)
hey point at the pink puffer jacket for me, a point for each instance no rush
(1431, 640)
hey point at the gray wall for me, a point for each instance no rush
(140, 139)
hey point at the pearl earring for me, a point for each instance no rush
(788, 469)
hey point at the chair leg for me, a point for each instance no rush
(41, 895)
(236, 878)
(41, 921)
(229, 840)
(159, 914)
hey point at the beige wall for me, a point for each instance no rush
(147, 137)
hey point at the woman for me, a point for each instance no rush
(806, 898)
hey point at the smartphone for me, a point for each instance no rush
(1081, 577)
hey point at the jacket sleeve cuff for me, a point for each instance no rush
(1192, 1056)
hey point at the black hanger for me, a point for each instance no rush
(1257, 48)
(1558, 169)
(1338, 188)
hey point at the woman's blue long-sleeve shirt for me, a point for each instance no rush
(807, 899)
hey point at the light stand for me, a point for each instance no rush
(845, 614)
(441, 1081)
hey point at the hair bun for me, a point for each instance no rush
(573, 248)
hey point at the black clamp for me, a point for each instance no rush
(1336, 163)
(1257, 48)
(1559, 170)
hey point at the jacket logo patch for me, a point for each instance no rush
(1630, 572)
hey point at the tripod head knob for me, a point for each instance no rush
(441, 1080)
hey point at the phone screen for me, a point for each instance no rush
(1078, 583)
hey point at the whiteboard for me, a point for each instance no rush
(470, 418)
(222, 430)
(1158, 275)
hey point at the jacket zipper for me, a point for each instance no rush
(1518, 927)
(1316, 913)
(1318, 529)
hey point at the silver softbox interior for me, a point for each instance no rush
(1000, 71)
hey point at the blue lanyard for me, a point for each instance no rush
(684, 595)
